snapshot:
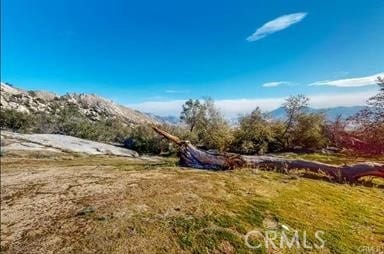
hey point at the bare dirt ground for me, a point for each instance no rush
(41, 206)
(82, 204)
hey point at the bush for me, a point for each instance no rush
(65, 121)
(16, 121)
(309, 132)
(207, 127)
(145, 141)
(253, 135)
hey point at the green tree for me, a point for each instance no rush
(213, 130)
(206, 124)
(254, 134)
(192, 114)
(310, 131)
(294, 107)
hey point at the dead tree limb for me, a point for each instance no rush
(190, 156)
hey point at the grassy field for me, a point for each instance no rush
(78, 204)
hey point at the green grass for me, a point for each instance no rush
(194, 211)
(350, 216)
(337, 159)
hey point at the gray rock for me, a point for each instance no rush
(60, 143)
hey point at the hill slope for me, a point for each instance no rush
(92, 106)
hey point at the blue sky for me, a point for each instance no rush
(152, 55)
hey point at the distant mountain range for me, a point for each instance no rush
(165, 119)
(330, 113)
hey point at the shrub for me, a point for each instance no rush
(309, 131)
(15, 120)
(253, 135)
(145, 141)
(207, 126)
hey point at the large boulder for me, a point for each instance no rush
(12, 141)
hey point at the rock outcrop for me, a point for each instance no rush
(14, 142)
(90, 105)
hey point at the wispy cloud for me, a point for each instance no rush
(350, 82)
(276, 25)
(234, 107)
(275, 84)
(176, 91)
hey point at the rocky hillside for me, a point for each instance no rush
(90, 105)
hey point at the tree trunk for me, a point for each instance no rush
(190, 156)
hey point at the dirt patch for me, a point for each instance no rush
(43, 204)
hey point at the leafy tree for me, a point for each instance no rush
(310, 131)
(206, 124)
(214, 131)
(293, 107)
(192, 114)
(254, 134)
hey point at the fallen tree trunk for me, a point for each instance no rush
(190, 156)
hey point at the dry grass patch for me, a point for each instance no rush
(118, 205)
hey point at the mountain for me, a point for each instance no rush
(174, 120)
(92, 106)
(330, 113)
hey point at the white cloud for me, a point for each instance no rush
(335, 100)
(234, 107)
(351, 82)
(276, 25)
(275, 84)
